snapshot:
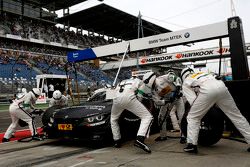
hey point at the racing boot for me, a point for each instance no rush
(5, 140)
(37, 137)
(190, 148)
(118, 143)
(13, 135)
(183, 140)
(139, 142)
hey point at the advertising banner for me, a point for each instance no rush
(197, 54)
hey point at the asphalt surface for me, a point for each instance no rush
(169, 153)
(59, 153)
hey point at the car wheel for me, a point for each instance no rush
(211, 129)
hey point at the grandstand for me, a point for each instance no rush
(31, 43)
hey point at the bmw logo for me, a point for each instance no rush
(187, 35)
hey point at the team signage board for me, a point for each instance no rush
(166, 39)
(80, 55)
(179, 37)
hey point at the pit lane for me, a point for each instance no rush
(60, 153)
(73, 153)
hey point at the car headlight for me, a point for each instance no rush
(91, 119)
(96, 120)
(99, 117)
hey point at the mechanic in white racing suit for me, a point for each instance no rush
(165, 94)
(58, 99)
(176, 104)
(126, 99)
(202, 91)
(21, 109)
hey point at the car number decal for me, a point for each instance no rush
(65, 127)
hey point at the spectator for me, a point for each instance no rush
(51, 90)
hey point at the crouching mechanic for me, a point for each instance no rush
(58, 99)
(126, 99)
(165, 94)
(21, 109)
(202, 91)
(175, 103)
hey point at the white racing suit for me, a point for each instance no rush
(202, 91)
(126, 99)
(63, 101)
(165, 89)
(20, 109)
(174, 119)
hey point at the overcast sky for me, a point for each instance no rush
(180, 14)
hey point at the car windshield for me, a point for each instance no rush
(100, 96)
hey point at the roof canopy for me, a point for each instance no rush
(106, 20)
(52, 5)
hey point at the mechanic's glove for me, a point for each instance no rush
(159, 102)
(171, 99)
(147, 95)
(218, 77)
(179, 95)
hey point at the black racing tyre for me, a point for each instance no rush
(130, 117)
(129, 124)
(22, 123)
(47, 114)
(130, 121)
(211, 129)
(50, 133)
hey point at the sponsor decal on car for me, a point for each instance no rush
(93, 107)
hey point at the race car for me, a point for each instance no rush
(90, 120)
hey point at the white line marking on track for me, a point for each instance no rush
(81, 163)
(102, 163)
(49, 148)
(46, 164)
(99, 151)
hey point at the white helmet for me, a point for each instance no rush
(149, 79)
(24, 90)
(185, 72)
(57, 95)
(170, 71)
(171, 75)
(36, 92)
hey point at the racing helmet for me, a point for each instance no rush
(24, 90)
(185, 72)
(170, 71)
(171, 75)
(149, 79)
(36, 92)
(57, 95)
